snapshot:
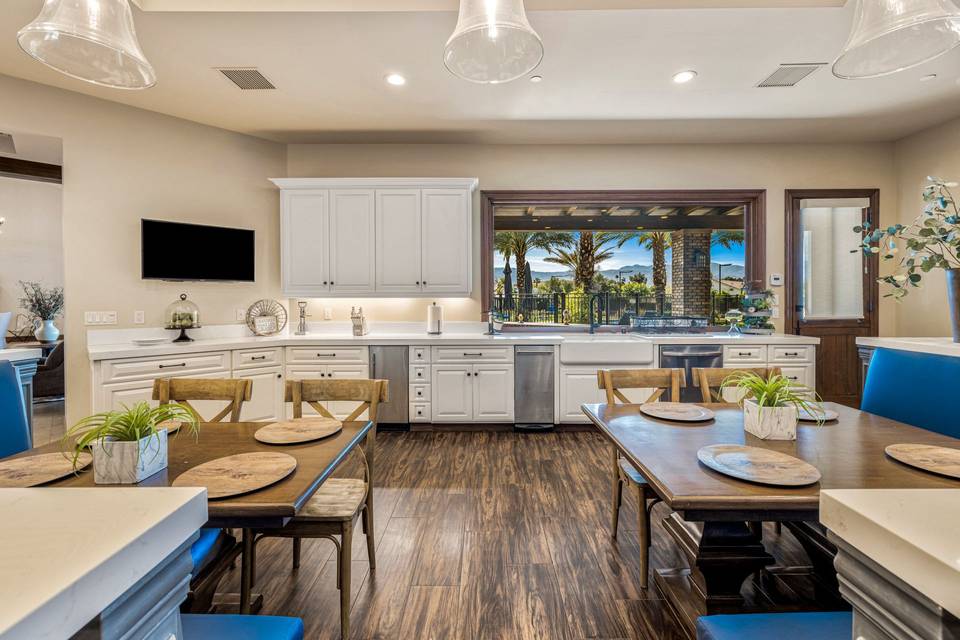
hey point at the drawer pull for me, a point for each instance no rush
(791, 354)
(475, 355)
(258, 358)
(326, 355)
(741, 353)
(171, 366)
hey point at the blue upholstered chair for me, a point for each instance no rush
(236, 627)
(909, 387)
(782, 626)
(14, 428)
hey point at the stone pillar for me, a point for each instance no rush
(692, 281)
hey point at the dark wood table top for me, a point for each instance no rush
(268, 507)
(848, 452)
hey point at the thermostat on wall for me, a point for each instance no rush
(776, 279)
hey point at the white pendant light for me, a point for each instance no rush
(893, 35)
(493, 42)
(92, 40)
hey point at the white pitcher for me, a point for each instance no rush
(45, 330)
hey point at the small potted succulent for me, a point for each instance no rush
(130, 444)
(44, 305)
(772, 405)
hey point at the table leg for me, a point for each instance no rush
(246, 571)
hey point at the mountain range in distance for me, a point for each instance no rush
(729, 271)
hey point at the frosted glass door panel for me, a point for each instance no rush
(831, 271)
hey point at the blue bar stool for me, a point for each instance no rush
(14, 429)
(898, 387)
(833, 625)
(237, 627)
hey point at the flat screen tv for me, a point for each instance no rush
(179, 251)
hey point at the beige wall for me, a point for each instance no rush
(121, 164)
(934, 152)
(712, 166)
(31, 247)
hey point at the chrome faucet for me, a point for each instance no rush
(302, 326)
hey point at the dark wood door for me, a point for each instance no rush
(830, 287)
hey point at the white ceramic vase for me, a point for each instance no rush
(770, 423)
(4, 325)
(117, 462)
(46, 331)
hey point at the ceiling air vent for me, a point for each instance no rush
(247, 78)
(6, 143)
(787, 75)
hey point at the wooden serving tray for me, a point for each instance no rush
(31, 471)
(238, 474)
(298, 430)
(762, 466)
(943, 461)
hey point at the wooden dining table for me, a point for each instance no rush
(267, 508)
(715, 518)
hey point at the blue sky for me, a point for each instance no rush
(630, 253)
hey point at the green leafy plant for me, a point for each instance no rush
(130, 424)
(774, 391)
(931, 241)
(45, 304)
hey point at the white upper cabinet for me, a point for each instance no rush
(376, 237)
(398, 241)
(304, 228)
(352, 243)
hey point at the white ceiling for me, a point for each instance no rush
(607, 74)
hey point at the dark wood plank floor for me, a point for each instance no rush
(482, 535)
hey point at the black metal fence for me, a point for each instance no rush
(608, 308)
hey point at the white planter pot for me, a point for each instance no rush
(770, 423)
(129, 462)
(46, 331)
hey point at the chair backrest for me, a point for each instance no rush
(660, 380)
(182, 390)
(710, 379)
(913, 388)
(368, 393)
(14, 428)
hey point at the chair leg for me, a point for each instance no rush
(296, 553)
(643, 536)
(617, 495)
(368, 531)
(346, 545)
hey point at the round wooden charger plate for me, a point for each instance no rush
(299, 430)
(827, 415)
(940, 460)
(238, 474)
(762, 466)
(677, 411)
(40, 469)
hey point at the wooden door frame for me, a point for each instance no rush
(791, 200)
(754, 202)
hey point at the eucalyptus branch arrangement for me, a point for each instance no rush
(931, 241)
(45, 304)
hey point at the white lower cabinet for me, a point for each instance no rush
(266, 399)
(493, 392)
(328, 371)
(578, 385)
(452, 389)
(116, 396)
(472, 393)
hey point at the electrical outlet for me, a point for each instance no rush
(241, 315)
(139, 317)
(327, 313)
(774, 312)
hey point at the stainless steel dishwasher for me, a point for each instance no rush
(390, 363)
(687, 357)
(533, 387)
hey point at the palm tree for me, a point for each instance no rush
(518, 243)
(726, 238)
(657, 242)
(591, 249)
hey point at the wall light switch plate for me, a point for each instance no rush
(241, 315)
(139, 317)
(109, 317)
(91, 317)
(327, 313)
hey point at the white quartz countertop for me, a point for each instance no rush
(913, 533)
(67, 554)
(104, 350)
(941, 346)
(16, 355)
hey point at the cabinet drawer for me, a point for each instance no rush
(419, 373)
(257, 358)
(420, 412)
(455, 355)
(747, 354)
(360, 355)
(791, 354)
(164, 366)
(419, 355)
(420, 392)
(800, 376)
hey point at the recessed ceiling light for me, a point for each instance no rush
(536, 219)
(589, 219)
(684, 76)
(548, 227)
(928, 77)
(536, 78)
(396, 80)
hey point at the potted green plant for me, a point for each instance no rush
(931, 241)
(130, 444)
(44, 305)
(772, 405)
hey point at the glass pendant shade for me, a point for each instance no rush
(893, 35)
(493, 42)
(92, 40)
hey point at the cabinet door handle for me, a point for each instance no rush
(418, 283)
(258, 358)
(323, 375)
(170, 366)
(331, 282)
(279, 376)
(424, 283)
(468, 374)
(324, 282)
(475, 355)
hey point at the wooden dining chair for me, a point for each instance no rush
(183, 390)
(613, 382)
(710, 379)
(334, 509)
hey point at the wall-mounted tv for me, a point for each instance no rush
(179, 251)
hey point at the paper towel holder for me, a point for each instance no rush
(434, 319)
